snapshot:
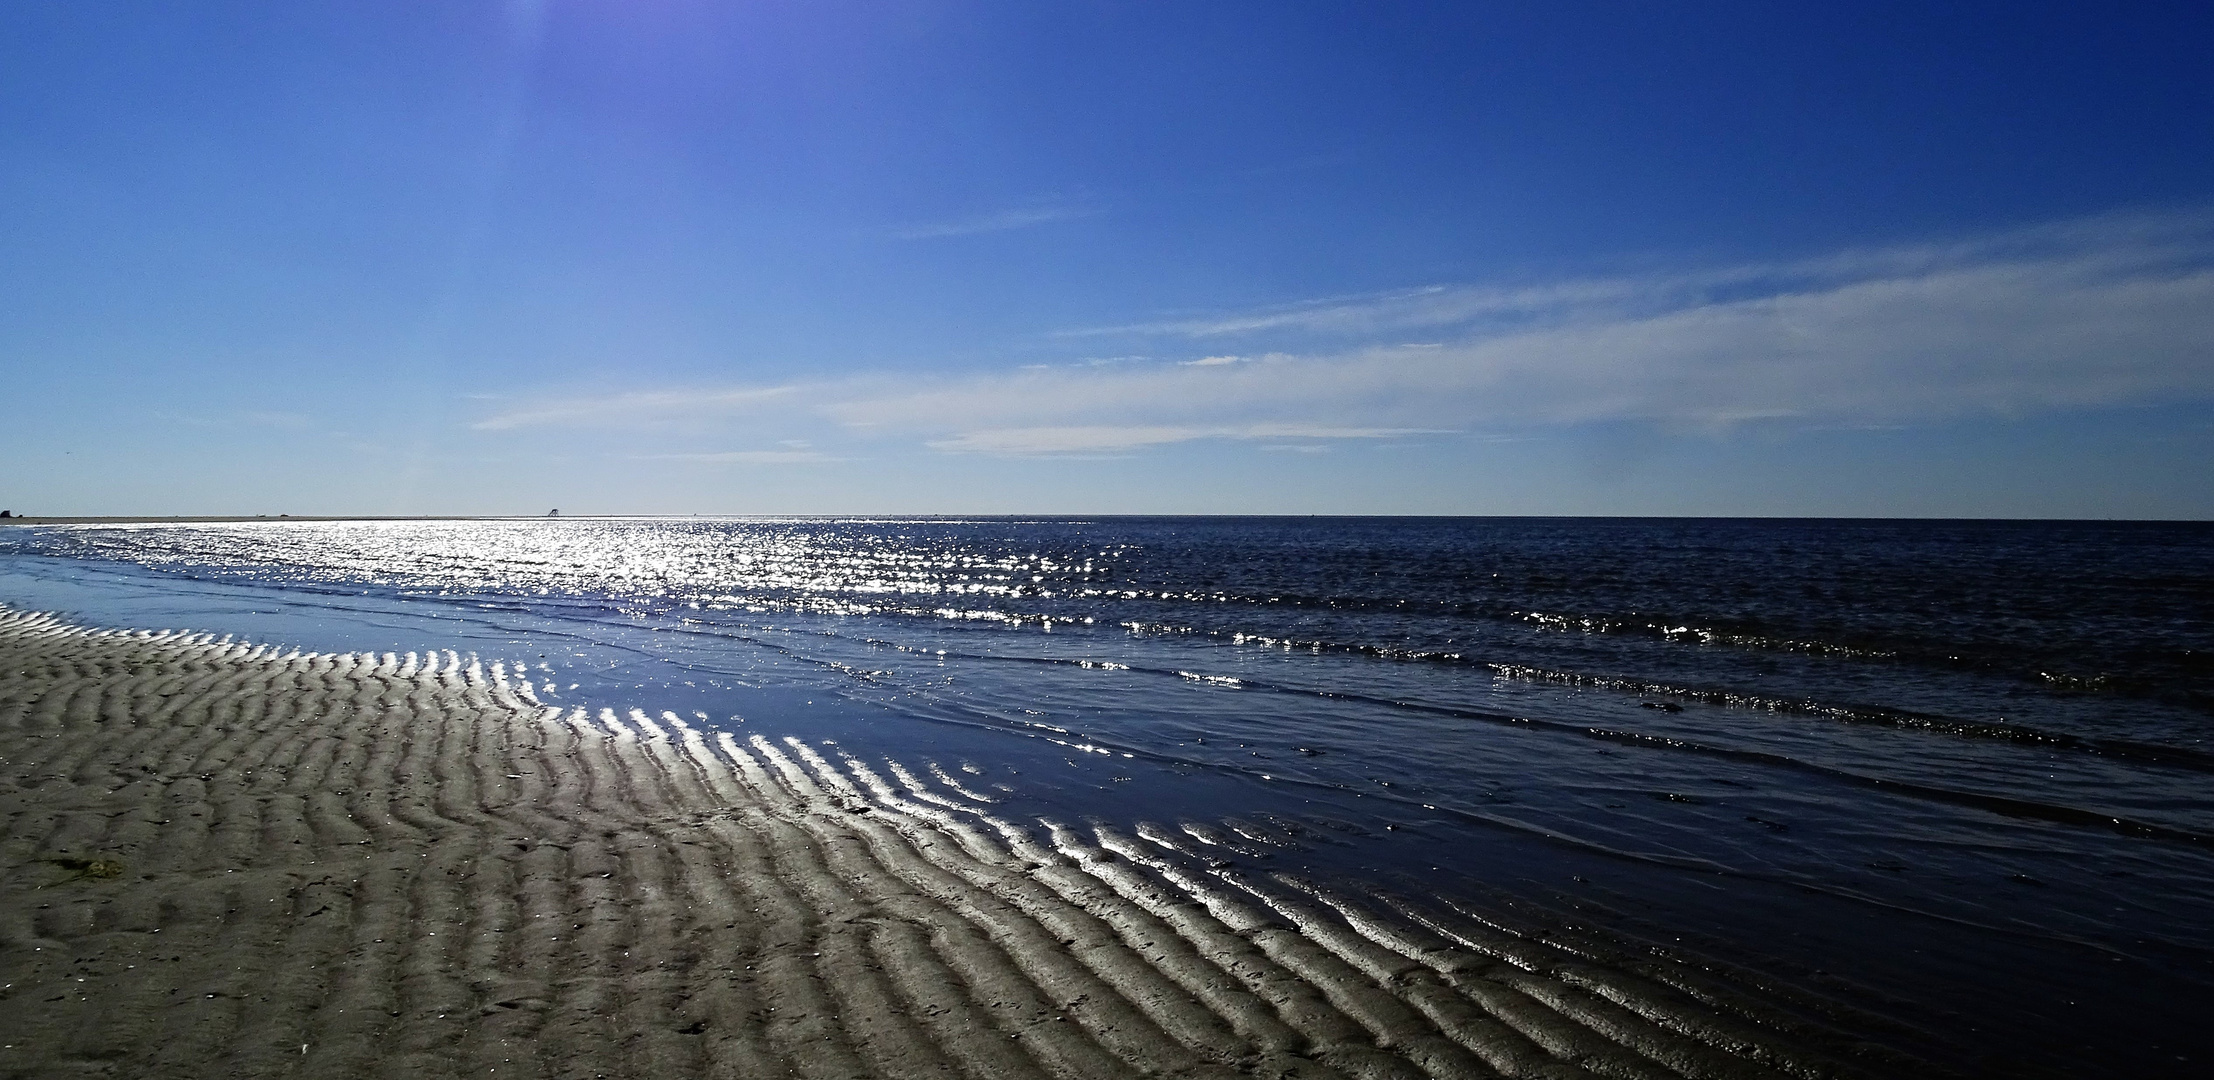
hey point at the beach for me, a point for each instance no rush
(598, 540)
(227, 861)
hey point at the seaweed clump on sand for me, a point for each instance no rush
(83, 869)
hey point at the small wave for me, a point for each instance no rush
(1998, 804)
(2178, 756)
(1686, 633)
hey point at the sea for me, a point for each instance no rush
(1955, 778)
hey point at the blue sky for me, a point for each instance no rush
(677, 256)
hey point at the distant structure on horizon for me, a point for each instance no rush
(554, 512)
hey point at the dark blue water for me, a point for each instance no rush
(1957, 774)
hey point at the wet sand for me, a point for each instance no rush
(222, 861)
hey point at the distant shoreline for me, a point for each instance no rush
(223, 519)
(213, 519)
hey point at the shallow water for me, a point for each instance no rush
(1957, 773)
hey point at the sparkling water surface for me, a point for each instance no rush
(1962, 766)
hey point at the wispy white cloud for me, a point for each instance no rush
(1107, 438)
(745, 457)
(2116, 244)
(996, 221)
(1430, 305)
(635, 409)
(2083, 314)
(2111, 311)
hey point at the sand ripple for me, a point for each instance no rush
(383, 864)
